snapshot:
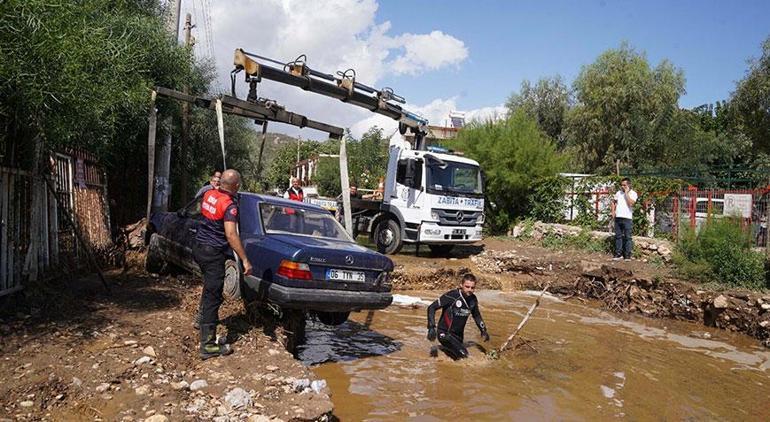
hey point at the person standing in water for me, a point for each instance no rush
(456, 305)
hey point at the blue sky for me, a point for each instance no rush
(470, 56)
(509, 41)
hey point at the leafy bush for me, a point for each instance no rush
(583, 241)
(720, 252)
(514, 153)
(546, 199)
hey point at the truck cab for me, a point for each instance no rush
(432, 198)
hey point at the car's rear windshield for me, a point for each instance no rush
(279, 219)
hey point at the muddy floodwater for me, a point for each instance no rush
(588, 364)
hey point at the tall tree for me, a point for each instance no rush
(547, 102)
(751, 101)
(621, 101)
(76, 73)
(79, 74)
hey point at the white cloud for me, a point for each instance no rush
(431, 51)
(335, 35)
(487, 113)
(437, 113)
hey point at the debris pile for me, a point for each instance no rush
(626, 291)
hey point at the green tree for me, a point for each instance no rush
(328, 178)
(367, 158)
(79, 73)
(513, 153)
(750, 102)
(621, 101)
(547, 102)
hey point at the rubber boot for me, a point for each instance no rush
(209, 346)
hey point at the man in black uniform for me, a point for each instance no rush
(217, 234)
(455, 306)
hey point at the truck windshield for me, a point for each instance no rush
(458, 178)
(277, 219)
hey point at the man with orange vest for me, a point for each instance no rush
(295, 192)
(216, 237)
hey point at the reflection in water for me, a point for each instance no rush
(348, 341)
(589, 365)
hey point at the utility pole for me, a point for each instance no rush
(162, 189)
(188, 43)
(173, 17)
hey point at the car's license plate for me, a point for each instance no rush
(458, 231)
(345, 275)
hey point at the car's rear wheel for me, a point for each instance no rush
(232, 288)
(293, 322)
(333, 318)
(153, 262)
(388, 237)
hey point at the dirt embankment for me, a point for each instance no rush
(75, 353)
(625, 287)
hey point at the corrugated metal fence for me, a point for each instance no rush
(35, 235)
(28, 231)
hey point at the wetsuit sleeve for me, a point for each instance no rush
(477, 317)
(442, 302)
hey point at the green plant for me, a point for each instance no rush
(720, 252)
(546, 199)
(514, 153)
(584, 240)
(552, 240)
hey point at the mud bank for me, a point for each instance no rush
(438, 279)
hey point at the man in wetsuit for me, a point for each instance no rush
(455, 306)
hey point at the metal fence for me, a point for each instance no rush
(671, 212)
(28, 229)
(35, 234)
(692, 208)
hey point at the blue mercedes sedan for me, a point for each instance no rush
(303, 259)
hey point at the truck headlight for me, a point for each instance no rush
(434, 215)
(481, 218)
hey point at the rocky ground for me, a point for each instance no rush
(79, 354)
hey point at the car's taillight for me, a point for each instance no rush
(294, 270)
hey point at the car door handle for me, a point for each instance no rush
(193, 230)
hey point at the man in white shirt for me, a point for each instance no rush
(623, 214)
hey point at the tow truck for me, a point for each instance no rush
(430, 196)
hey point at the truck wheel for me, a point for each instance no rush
(388, 237)
(153, 262)
(441, 250)
(232, 288)
(333, 318)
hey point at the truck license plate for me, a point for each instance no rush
(344, 275)
(458, 231)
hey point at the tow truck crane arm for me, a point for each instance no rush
(342, 87)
